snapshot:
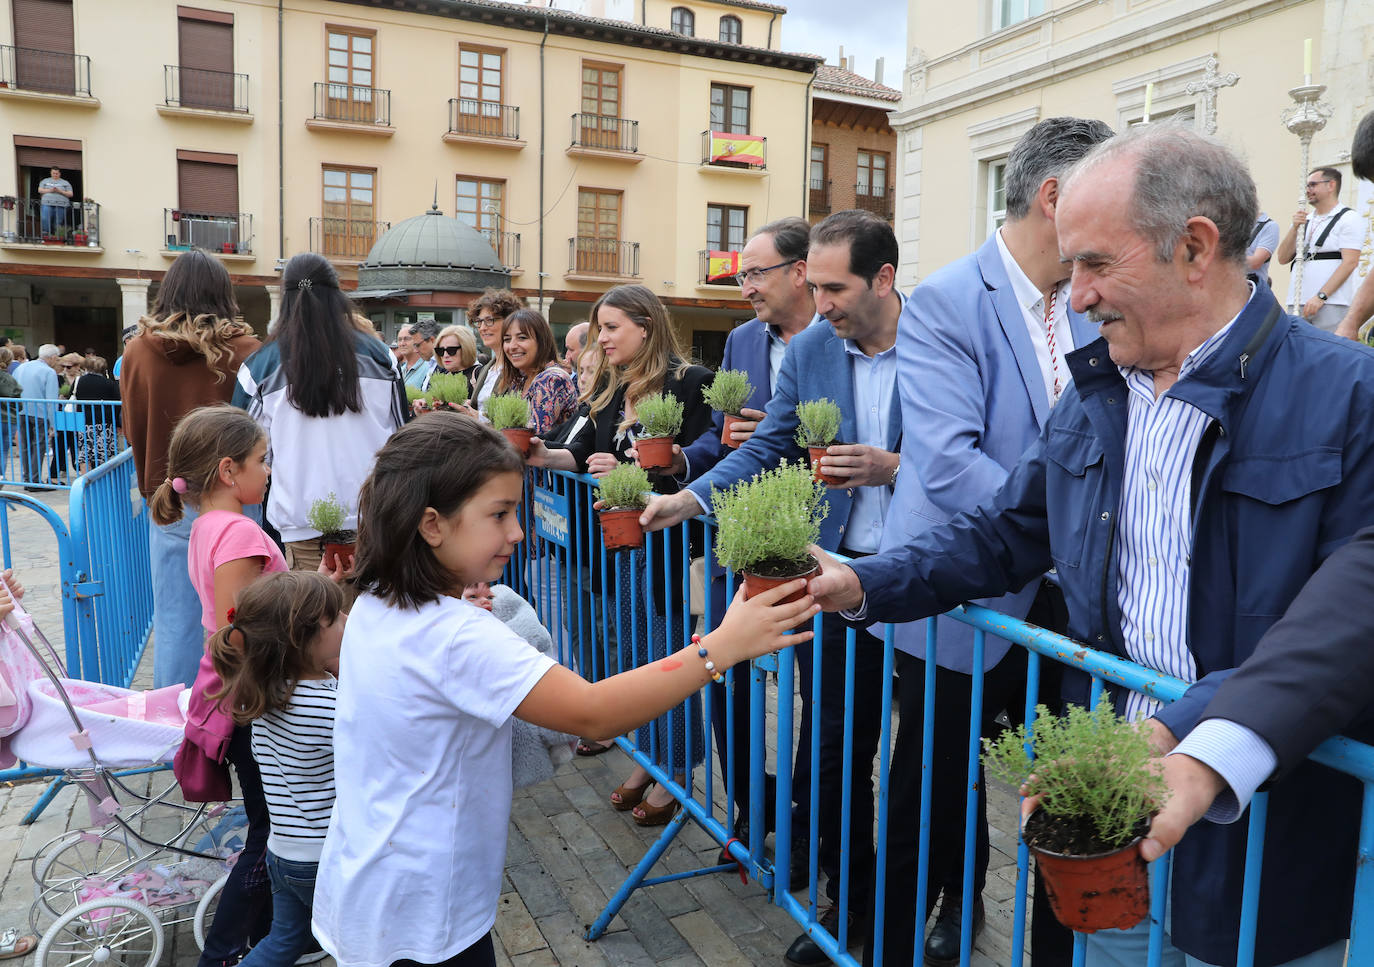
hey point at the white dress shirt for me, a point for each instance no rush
(1032, 303)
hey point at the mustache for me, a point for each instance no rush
(1099, 316)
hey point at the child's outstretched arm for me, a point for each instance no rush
(15, 589)
(564, 701)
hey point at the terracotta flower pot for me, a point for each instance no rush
(620, 528)
(655, 453)
(333, 550)
(519, 438)
(758, 583)
(829, 479)
(730, 421)
(1104, 891)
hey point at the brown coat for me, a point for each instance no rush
(162, 380)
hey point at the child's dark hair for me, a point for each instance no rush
(439, 460)
(265, 650)
(202, 438)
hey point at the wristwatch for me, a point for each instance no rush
(895, 471)
(1323, 296)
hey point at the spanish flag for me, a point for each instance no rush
(743, 148)
(721, 265)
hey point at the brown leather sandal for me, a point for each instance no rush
(629, 796)
(648, 815)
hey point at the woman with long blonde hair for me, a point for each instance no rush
(639, 356)
(185, 355)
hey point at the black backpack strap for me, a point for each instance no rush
(1259, 227)
(1321, 239)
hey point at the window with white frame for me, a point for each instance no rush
(996, 195)
(1008, 12)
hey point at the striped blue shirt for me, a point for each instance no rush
(1155, 528)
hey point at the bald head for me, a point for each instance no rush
(572, 345)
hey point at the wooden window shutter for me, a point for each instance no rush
(207, 187)
(34, 152)
(205, 45)
(44, 25)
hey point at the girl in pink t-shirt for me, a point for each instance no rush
(217, 463)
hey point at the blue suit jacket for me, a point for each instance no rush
(746, 348)
(973, 400)
(814, 366)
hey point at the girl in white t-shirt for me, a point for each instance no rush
(412, 864)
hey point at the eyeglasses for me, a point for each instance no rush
(1324, 181)
(486, 322)
(755, 275)
(449, 350)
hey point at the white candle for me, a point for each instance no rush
(1307, 61)
(1149, 97)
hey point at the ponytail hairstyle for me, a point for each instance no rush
(265, 648)
(315, 332)
(439, 460)
(202, 438)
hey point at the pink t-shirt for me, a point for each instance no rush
(218, 537)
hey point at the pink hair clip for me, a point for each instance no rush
(179, 484)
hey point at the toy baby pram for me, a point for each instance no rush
(106, 893)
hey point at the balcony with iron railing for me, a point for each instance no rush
(348, 107)
(601, 136)
(226, 234)
(190, 90)
(597, 259)
(28, 223)
(724, 151)
(874, 198)
(704, 278)
(483, 122)
(46, 74)
(345, 239)
(819, 201)
(506, 244)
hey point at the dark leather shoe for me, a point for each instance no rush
(942, 946)
(799, 868)
(805, 953)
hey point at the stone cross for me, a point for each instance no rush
(1209, 85)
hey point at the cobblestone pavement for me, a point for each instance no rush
(568, 851)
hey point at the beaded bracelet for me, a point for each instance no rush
(716, 676)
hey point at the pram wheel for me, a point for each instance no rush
(205, 909)
(60, 868)
(107, 931)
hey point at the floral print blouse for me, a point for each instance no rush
(552, 396)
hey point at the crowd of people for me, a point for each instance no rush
(1102, 421)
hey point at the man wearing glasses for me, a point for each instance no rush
(1331, 240)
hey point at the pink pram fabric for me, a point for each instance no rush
(118, 739)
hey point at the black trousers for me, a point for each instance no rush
(1003, 689)
(480, 954)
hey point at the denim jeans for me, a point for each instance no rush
(33, 447)
(52, 218)
(178, 638)
(293, 890)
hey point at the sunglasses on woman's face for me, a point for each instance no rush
(449, 350)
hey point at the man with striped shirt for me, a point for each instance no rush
(1207, 457)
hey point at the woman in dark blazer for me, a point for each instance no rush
(100, 438)
(640, 356)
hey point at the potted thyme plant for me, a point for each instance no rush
(447, 391)
(727, 394)
(327, 516)
(510, 413)
(1097, 792)
(818, 423)
(765, 526)
(660, 416)
(624, 495)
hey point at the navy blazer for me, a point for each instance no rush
(814, 366)
(973, 400)
(746, 348)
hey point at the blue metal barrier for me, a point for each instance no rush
(47, 444)
(553, 568)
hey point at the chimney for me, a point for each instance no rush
(878, 71)
(841, 61)
(850, 66)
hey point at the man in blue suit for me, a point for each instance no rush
(773, 278)
(848, 356)
(980, 362)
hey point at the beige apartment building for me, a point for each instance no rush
(587, 150)
(980, 74)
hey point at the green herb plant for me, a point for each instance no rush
(327, 516)
(660, 415)
(728, 392)
(818, 423)
(447, 390)
(771, 518)
(413, 393)
(625, 487)
(1092, 768)
(509, 411)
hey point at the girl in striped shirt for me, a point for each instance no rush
(278, 657)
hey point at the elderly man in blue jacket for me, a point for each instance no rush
(848, 356)
(1209, 455)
